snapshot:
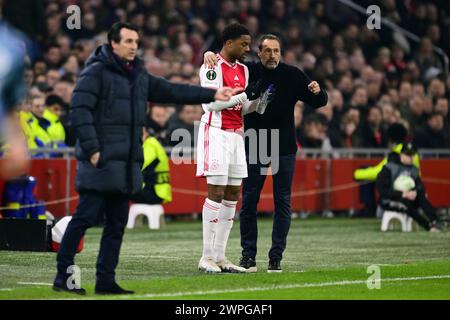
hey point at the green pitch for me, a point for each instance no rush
(325, 259)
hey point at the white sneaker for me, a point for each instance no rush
(227, 266)
(208, 265)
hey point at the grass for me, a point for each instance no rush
(325, 259)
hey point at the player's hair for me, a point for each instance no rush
(397, 133)
(114, 32)
(234, 31)
(268, 36)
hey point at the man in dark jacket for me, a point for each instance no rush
(108, 111)
(407, 196)
(432, 135)
(291, 84)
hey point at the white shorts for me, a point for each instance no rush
(220, 153)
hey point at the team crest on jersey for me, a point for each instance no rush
(214, 165)
(211, 75)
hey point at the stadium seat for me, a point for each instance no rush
(389, 216)
(153, 213)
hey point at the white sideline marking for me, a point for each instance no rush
(6, 289)
(35, 283)
(156, 257)
(278, 287)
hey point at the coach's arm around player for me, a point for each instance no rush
(291, 84)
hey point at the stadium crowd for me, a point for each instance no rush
(374, 77)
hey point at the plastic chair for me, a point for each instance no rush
(153, 212)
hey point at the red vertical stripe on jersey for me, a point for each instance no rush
(234, 77)
(206, 147)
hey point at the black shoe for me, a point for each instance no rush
(436, 226)
(274, 266)
(113, 288)
(249, 264)
(64, 288)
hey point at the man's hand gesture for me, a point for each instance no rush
(314, 87)
(225, 93)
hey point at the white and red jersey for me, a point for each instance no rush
(225, 74)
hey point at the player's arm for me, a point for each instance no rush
(209, 78)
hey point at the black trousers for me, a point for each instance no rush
(91, 204)
(251, 191)
(367, 196)
(412, 210)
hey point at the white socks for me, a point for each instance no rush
(218, 220)
(210, 217)
(226, 219)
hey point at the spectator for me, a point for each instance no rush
(426, 59)
(53, 56)
(185, 119)
(349, 137)
(52, 113)
(39, 124)
(359, 100)
(372, 133)
(415, 113)
(432, 136)
(312, 135)
(157, 123)
(53, 77)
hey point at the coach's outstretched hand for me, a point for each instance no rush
(225, 93)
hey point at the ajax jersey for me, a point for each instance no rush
(220, 148)
(224, 74)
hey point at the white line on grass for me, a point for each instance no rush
(6, 289)
(155, 257)
(35, 283)
(278, 287)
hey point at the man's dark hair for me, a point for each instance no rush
(268, 37)
(374, 106)
(234, 31)
(409, 149)
(313, 118)
(397, 133)
(68, 77)
(435, 114)
(54, 99)
(114, 32)
(52, 45)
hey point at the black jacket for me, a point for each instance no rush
(108, 111)
(291, 85)
(391, 170)
(428, 139)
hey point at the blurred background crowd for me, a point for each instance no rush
(374, 77)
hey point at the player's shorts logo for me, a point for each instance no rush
(211, 75)
(214, 165)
